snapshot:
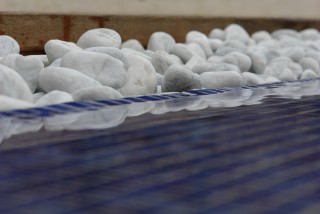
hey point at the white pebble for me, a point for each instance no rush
(236, 32)
(252, 79)
(28, 67)
(64, 79)
(225, 67)
(100, 37)
(8, 45)
(9, 103)
(128, 51)
(259, 61)
(142, 77)
(132, 44)
(114, 52)
(310, 34)
(287, 75)
(56, 63)
(294, 53)
(203, 67)
(182, 51)
(56, 49)
(215, 44)
(96, 93)
(217, 33)
(161, 61)
(238, 59)
(260, 36)
(43, 59)
(197, 49)
(202, 40)
(106, 69)
(54, 97)
(308, 74)
(220, 79)
(215, 59)
(37, 96)
(195, 60)
(285, 33)
(13, 85)
(309, 63)
(178, 78)
(161, 41)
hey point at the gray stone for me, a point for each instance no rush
(197, 49)
(217, 33)
(309, 74)
(178, 78)
(9, 103)
(252, 79)
(182, 51)
(260, 36)
(161, 61)
(309, 63)
(242, 61)
(236, 32)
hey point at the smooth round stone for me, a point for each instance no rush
(161, 41)
(56, 63)
(287, 75)
(225, 67)
(252, 79)
(96, 93)
(54, 97)
(28, 67)
(277, 66)
(217, 33)
(149, 53)
(215, 59)
(64, 79)
(309, 63)
(100, 37)
(313, 54)
(178, 78)
(271, 55)
(104, 68)
(43, 58)
(201, 39)
(215, 44)
(195, 60)
(161, 61)
(127, 51)
(182, 51)
(8, 45)
(259, 61)
(197, 49)
(236, 32)
(310, 34)
(56, 49)
(220, 79)
(260, 36)
(142, 77)
(203, 67)
(114, 52)
(235, 44)
(9, 103)
(176, 59)
(238, 59)
(285, 33)
(309, 74)
(132, 44)
(295, 53)
(270, 79)
(37, 96)
(13, 85)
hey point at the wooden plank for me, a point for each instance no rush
(32, 31)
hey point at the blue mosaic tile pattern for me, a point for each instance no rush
(250, 159)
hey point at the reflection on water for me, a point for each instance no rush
(112, 116)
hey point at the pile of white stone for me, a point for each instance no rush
(101, 66)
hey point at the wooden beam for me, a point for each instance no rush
(32, 31)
